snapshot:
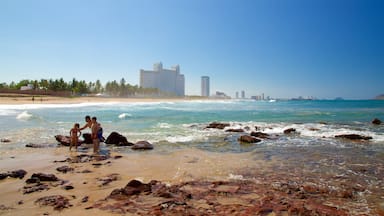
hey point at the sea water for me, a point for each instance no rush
(182, 124)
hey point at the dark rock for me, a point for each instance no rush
(132, 188)
(235, 130)
(57, 201)
(376, 121)
(289, 130)
(354, 137)
(85, 199)
(18, 174)
(64, 169)
(42, 177)
(248, 139)
(3, 175)
(68, 187)
(108, 179)
(5, 140)
(32, 145)
(143, 145)
(33, 188)
(117, 139)
(66, 140)
(260, 135)
(87, 138)
(218, 125)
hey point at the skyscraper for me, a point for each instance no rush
(205, 86)
(170, 81)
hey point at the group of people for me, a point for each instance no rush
(96, 133)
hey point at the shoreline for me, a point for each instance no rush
(19, 99)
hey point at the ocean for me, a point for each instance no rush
(170, 125)
(351, 170)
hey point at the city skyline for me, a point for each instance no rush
(285, 49)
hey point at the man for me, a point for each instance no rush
(95, 139)
(88, 122)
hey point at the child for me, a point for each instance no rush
(74, 133)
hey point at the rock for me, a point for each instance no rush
(376, 121)
(235, 130)
(248, 139)
(14, 174)
(33, 188)
(5, 140)
(260, 135)
(143, 145)
(353, 137)
(68, 187)
(42, 177)
(132, 188)
(64, 169)
(218, 125)
(117, 139)
(66, 140)
(18, 174)
(289, 130)
(87, 138)
(32, 145)
(57, 201)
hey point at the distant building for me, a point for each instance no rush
(166, 80)
(237, 95)
(243, 94)
(27, 87)
(205, 86)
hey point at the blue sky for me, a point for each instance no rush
(282, 48)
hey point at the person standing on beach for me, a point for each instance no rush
(95, 137)
(74, 133)
(88, 122)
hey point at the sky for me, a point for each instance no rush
(282, 48)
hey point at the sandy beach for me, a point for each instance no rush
(29, 99)
(88, 178)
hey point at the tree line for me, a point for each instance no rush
(77, 87)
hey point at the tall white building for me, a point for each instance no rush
(166, 80)
(205, 86)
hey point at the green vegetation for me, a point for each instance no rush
(75, 87)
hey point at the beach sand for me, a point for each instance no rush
(14, 99)
(171, 168)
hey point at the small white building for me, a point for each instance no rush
(27, 87)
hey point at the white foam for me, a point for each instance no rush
(235, 177)
(24, 116)
(124, 115)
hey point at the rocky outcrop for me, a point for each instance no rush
(117, 139)
(39, 177)
(218, 125)
(376, 121)
(248, 139)
(354, 137)
(235, 130)
(142, 145)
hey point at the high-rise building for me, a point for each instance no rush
(166, 80)
(205, 86)
(243, 94)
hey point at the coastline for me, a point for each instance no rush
(18, 99)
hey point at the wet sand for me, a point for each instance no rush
(195, 182)
(171, 168)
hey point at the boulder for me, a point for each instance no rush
(248, 139)
(376, 121)
(143, 145)
(260, 135)
(87, 138)
(66, 140)
(5, 140)
(218, 125)
(289, 130)
(14, 174)
(117, 139)
(353, 137)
